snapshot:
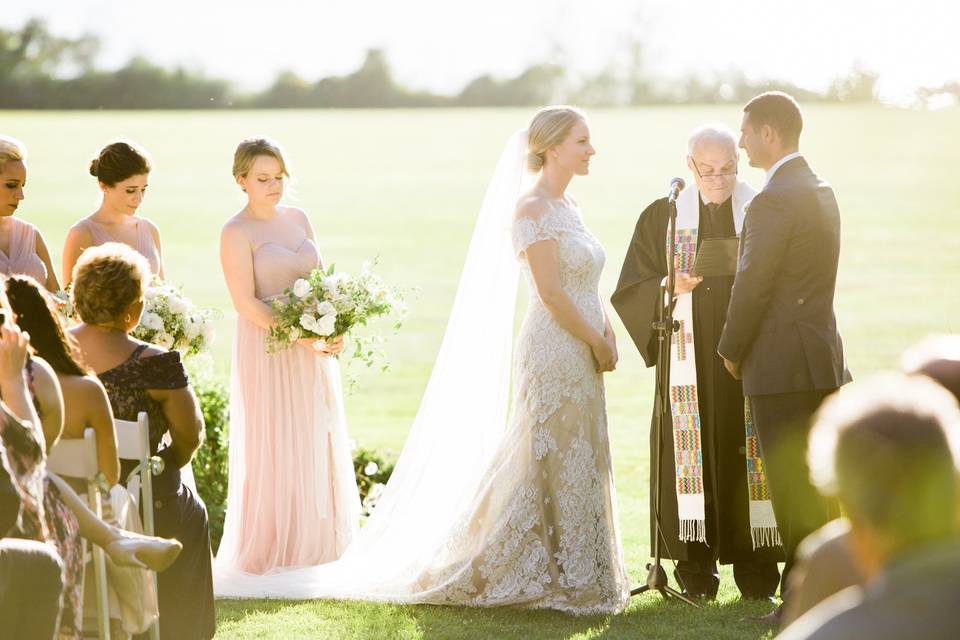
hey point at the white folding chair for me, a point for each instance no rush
(133, 443)
(77, 458)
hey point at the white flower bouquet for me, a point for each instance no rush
(171, 321)
(329, 304)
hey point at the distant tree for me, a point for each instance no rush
(537, 85)
(288, 90)
(860, 85)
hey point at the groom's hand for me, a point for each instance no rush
(732, 367)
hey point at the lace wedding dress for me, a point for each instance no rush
(542, 531)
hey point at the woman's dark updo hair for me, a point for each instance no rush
(35, 313)
(117, 162)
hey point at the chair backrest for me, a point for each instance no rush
(75, 457)
(133, 438)
(133, 443)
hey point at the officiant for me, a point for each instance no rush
(714, 506)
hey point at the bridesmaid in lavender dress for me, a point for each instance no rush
(293, 498)
(22, 248)
(122, 171)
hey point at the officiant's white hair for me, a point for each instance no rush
(711, 132)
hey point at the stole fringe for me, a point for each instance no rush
(693, 530)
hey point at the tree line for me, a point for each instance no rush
(39, 70)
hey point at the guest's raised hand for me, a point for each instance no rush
(13, 351)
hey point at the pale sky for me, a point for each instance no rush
(440, 45)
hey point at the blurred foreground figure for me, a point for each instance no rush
(888, 451)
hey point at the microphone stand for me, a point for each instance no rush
(665, 326)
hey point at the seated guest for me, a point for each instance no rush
(122, 170)
(133, 601)
(826, 563)
(31, 574)
(51, 512)
(109, 283)
(85, 402)
(22, 248)
(889, 452)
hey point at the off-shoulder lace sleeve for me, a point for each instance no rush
(527, 231)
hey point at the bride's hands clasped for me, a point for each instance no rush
(605, 352)
(322, 347)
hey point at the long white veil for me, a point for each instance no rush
(461, 419)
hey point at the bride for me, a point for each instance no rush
(476, 514)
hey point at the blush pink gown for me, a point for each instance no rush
(293, 498)
(21, 256)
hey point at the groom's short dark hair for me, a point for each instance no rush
(780, 111)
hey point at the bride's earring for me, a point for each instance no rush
(126, 318)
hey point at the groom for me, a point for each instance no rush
(781, 334)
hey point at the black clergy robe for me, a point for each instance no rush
(720, 396)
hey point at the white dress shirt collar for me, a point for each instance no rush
(780, 163)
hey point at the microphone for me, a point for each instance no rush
(676, 186)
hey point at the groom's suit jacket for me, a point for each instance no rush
(780, 323)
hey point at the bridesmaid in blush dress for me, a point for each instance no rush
(22, 248)
(293, 499)
(122, 171)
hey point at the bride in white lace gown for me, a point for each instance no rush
(476, 514)
(543, 531)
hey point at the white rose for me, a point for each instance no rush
(371, 468)
(309, 322)
(329, 284)
(152, 321)
(151, 293)
(163, 339)
(177, 306)
(301, 288)
(326, 308)
(326, 324)
(207, 331)
(191, 329)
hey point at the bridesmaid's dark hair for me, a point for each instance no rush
(34, 313)
(118, 161)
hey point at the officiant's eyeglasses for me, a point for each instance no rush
(710, 176)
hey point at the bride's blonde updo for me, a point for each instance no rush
(548, 128)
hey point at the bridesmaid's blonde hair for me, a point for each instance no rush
(107, 280)
(549, 127)
(11, 149)
(251, 148)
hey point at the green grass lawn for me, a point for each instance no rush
(406, 186)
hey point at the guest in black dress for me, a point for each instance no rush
(108, 291)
